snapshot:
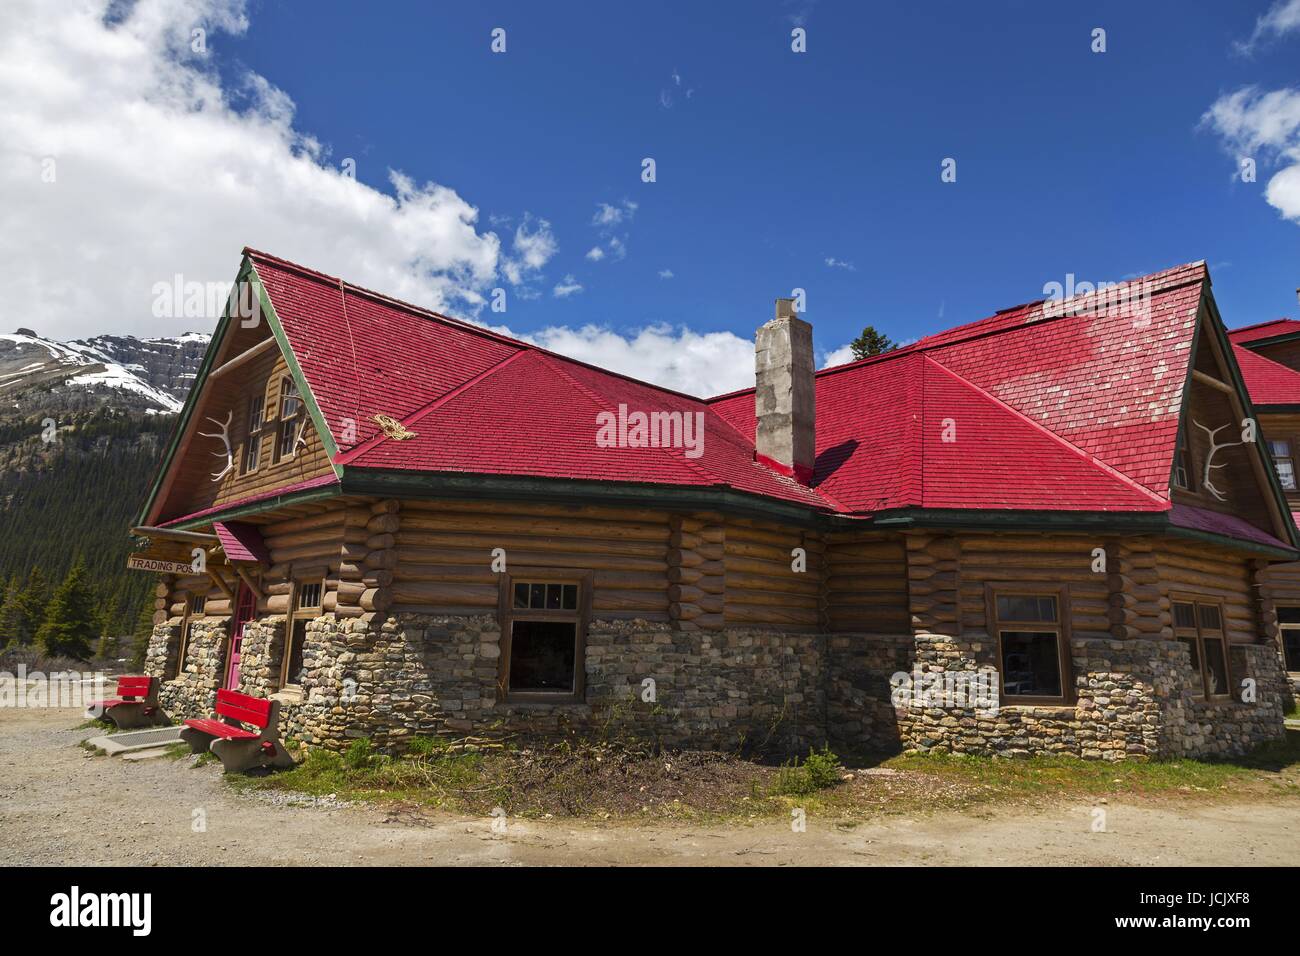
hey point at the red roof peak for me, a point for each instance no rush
(1260, 331)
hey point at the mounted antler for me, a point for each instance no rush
(1215, 448)
(224, 435)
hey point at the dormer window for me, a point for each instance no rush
(1283, 463)
(290, 420)
(253, 439)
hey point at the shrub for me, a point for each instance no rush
(359, 755)
(822, 769)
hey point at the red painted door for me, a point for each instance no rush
(245, 608)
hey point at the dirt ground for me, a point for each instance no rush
(61, 805)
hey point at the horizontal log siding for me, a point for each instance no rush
(443, 554)
(762, 589)
(866, 583)
(1205, 571)
(1029, 560)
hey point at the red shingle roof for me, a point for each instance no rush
(1268, 382)
(1023, 410)
(1264, 330)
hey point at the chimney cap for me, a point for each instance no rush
(785, 309)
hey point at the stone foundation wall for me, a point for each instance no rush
(388, 678)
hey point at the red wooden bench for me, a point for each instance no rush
(238, 747)
(136, 704)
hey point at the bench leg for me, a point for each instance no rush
(238, 756)
(199, 741)
(131, 716)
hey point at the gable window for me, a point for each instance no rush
(1182, 467)
(1032, 644)
(544, 617)
(253, 435)
(195, 609)
(290, 420)
(306, 606)
(1199, 625)
(1283, 463)
(1288, 618)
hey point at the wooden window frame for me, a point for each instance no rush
(296, 614)
(253, 436)
(281, 420)
(1282, 630)
(1061, 594)
(1197, 634)
(507, 614)
(191, 616)
(1183, 462)
(1289, 456)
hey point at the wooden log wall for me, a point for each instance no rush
(442, 554)
(761, 587)
(1203, 570)
(866, 583)
(935, 575)
(1138, 607)
(697, 580)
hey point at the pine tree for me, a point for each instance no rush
(70, 617)
(141, 637)
(870, 342)
(16, 625)
(35, 597)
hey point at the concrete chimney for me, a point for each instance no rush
(784, 402)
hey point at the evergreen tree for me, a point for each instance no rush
(8, 609)
(141, 636)
(870, 342)
(35, 597)
(17, 622)
(70, 617)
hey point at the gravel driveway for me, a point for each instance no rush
(61, 805)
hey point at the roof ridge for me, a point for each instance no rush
(600, 402)
(453, 321)
(1260, 325)
(969, 331)
(1092, 459)
(357, 450)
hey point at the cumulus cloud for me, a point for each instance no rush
(665, 273)
(675, 357)
(595, 253)
(125, 159)
(839, 356)
(1264, 126)
(834, 263)
(1279, 20)
(567, 287)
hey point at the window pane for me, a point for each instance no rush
(309, 595)
(542, 655)
(1194, 653)
(1026, 607)
(521, 595)
(288, 437)
(1280, 448)
(289, 403)
(1291, 648)
(537, 595)
(1216, 668)
(1285, 473)
(1288, 615)
(254, 415)
(1031, 665)
(1184, 615)
(198, 603)
(297, 638)
(1210, 619)
(570, 597)
(553, 594)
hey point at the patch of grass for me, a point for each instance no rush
(821, 770)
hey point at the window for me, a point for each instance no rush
(306, 606)
(253, 435)
(1288, 618)
(1284, 463)
(290, 420)
(543, 630)
(197, 605)
(1199, 625)
(1182, 468)
(1032, 645)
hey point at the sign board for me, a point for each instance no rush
(142, 562)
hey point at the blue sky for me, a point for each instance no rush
(775, 170)
(1067, 160)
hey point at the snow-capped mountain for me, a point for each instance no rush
(117, 371)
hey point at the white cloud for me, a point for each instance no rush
(665, 273)
(1264, 126)
(567, 287)
(834, 263)
(679, 358)
(595, 253)
(838, 356)
(161, 167)
(608, 216)
(1280, 19)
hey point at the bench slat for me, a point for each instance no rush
(133, 686)
(242, 707)
(218, 729)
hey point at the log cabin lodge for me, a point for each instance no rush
(409, 526)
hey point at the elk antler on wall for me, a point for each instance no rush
(224, 435)
(1209, 458)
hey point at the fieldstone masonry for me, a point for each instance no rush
(388, 677)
